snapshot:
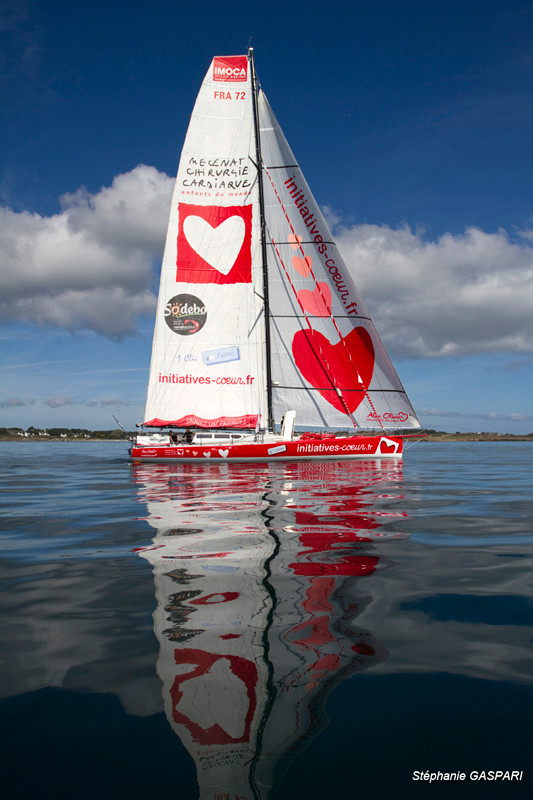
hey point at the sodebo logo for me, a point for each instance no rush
(230, 68)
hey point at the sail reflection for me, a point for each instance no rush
(259, 583)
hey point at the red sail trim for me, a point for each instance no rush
(192, 421)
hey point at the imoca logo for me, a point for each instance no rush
(230, 68)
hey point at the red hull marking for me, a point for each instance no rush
(345, 447)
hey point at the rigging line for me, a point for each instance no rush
(316, 343)
(262, 224)
(350, 360)
(420, 437)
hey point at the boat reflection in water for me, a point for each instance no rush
(259, 583)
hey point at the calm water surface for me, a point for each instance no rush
(285, 631)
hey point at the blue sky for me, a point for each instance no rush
(412, 122)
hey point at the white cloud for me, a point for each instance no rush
(12, 402)
(90, 266)
(457, 296)
(58, 401)
(110, 401)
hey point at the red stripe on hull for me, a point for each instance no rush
(297, 449)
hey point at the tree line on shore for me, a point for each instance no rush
(47, 434)
(62, 433)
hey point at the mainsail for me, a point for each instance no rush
(207, 364)
(210, 366)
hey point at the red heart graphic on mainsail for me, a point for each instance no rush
(351, 356)
(318, 302)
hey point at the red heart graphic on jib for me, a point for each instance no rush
(318, 302)
(351, 356)
(302, 265)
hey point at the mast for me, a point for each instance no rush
(264, 258)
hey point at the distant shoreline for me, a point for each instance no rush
(440, 437)
(479, 437)
(54, 439)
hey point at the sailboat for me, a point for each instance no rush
(259, 327)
